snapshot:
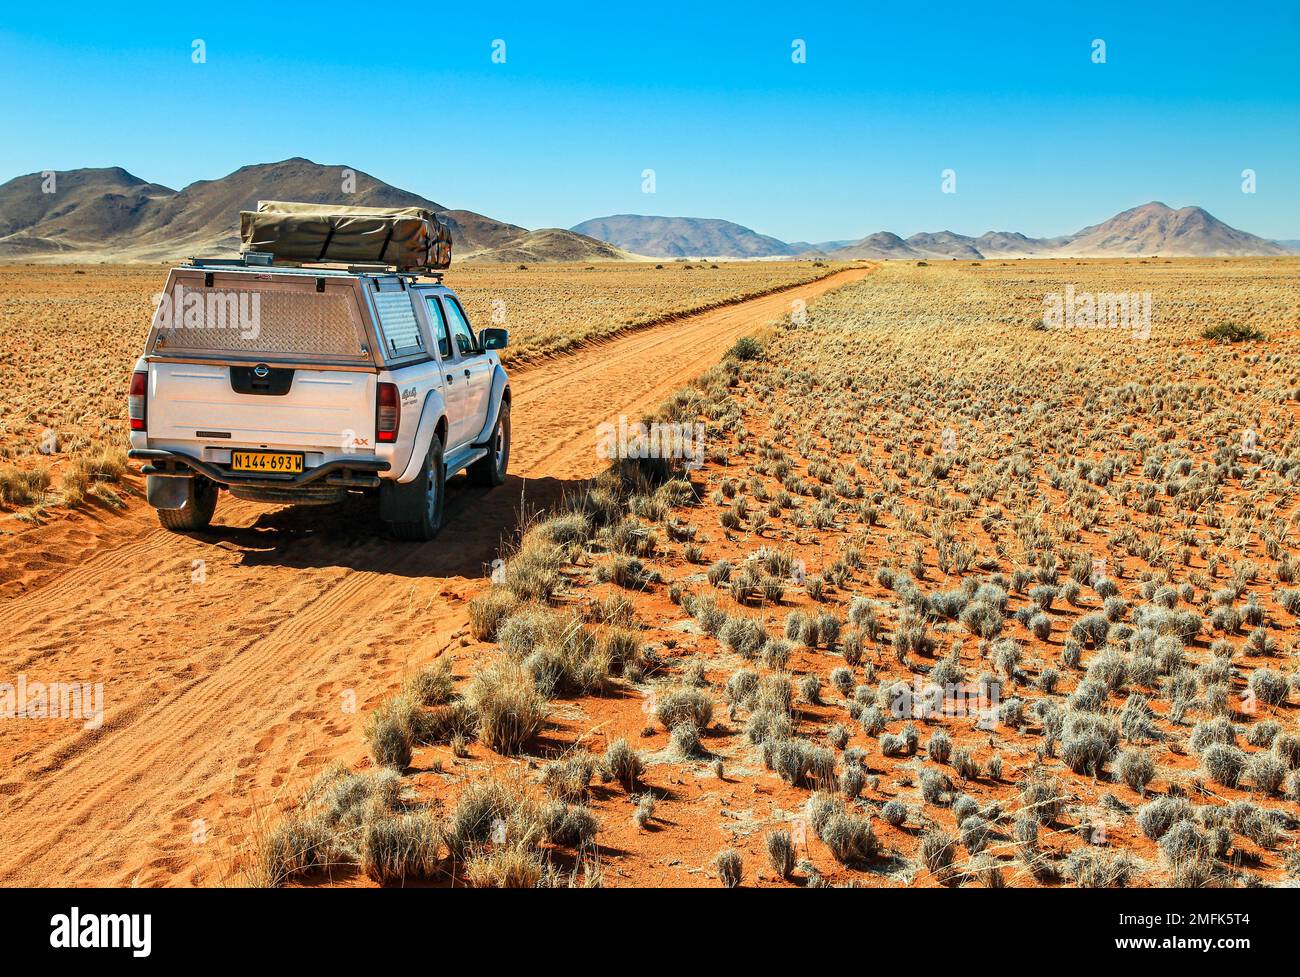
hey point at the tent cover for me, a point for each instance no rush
(410, 238)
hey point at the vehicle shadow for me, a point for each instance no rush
(476, 523)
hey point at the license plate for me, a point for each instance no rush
(265, 461)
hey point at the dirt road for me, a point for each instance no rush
(238, 662)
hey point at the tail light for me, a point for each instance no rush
(389, 415)
(137, 404)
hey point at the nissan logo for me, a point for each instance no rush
(261, 371)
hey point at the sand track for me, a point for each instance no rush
(223, 694)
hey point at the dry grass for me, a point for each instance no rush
(1088, 535)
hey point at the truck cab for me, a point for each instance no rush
(292, 384)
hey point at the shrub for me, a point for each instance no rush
(745, 348)
(938, 851)
(622, 763)
(1223, 764)
(939, 746)
(1136, 768)
(1266, 772)
(1091, 868)
(432, 685)
(289, 850)
(730, 866)
(394, 848)
(1088, 742)
(848, 836)
(684, 706)
(936, 788)
(515, 866)
(569, 825)
(1211, 731)
(1041, 626)
(685, 739)
(488, 610)
(975, 834)
(963, 762)
(510, 710)
(1232, 332)
(390, 733)
(1269, 686)
(568, 779)
(1042, 798)
(894, 813)
(1156, 818)
(780, 852)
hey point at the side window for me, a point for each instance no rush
(439, 323)
(397, 320)
(465, 343)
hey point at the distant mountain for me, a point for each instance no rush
(1156, 229)
(1152, 229)
(683, 237)
(108, 214)
(881, 245)
(946, 244)
(1013, 244)
(555, 244)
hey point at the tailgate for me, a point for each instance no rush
(224, 404)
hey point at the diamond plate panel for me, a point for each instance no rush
(252, 320)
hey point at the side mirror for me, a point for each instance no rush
(493, 339)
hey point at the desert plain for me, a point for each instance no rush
(953, 598)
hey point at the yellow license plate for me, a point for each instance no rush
(265, 461)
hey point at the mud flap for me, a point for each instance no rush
(398, 503)
(167, 493)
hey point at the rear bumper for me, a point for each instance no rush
(339, 473)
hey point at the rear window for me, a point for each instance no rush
(259, 319)
(397, 323)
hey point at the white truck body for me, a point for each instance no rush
(299, 384)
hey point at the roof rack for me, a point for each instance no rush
(263, 259)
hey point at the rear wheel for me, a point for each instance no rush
(491, 471)
(196, 513)
(421, 499)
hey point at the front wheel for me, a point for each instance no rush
(491, 471)
(196, 512)
(420, 501)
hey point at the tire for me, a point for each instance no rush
(491, 471)
(423, 496)
(196, 513)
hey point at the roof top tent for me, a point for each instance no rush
(408, 239)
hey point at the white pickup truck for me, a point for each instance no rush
(300, 385)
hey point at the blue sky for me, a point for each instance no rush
(852, 141)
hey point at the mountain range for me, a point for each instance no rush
(109, 214)
(1151, 229)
